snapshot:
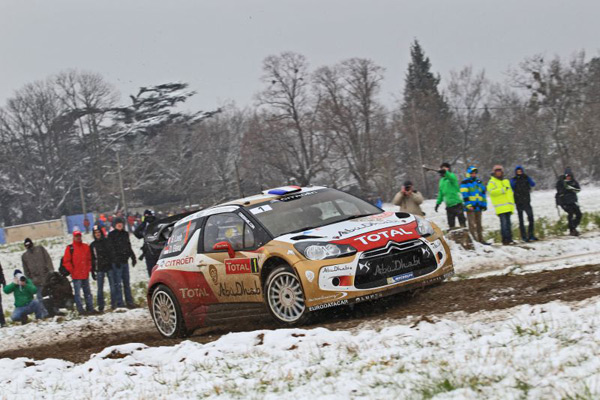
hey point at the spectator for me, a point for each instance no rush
(150, 253)
(566, 197)
(3, 283)
(57, 293)
(409, 200)
(24, 290)
(86, 224)
(37, 264)
(521, 185)
(503, 200)
(119, 239)
(130, 222)
(78, 261)
(474, 198)
(102, 261)
(449, 193)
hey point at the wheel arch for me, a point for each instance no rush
(269, 265)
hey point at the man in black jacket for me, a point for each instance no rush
(566, 197)
(3, 283)
(149, 253)
(521, 185)
(102, 261)
(119, 239)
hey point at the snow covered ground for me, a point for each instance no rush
(549, 351)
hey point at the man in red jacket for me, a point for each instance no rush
(78, 261)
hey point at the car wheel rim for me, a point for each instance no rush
(165, 314)
(286, 298)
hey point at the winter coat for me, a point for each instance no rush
(23, 294)
(121, 246)
(102, 254)
(473, 193)
(501, 195)
(79, 263)
(409, 204)
(58, 288)
(521, 185)
(566, 191)
(449, 190)
(2, 279)
(37, 264)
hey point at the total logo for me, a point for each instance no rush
(378, 236)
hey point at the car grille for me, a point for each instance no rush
(394, 263)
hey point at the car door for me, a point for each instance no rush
(233, 278)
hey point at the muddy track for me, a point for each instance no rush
(489, 293)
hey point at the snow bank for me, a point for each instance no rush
(548, 351)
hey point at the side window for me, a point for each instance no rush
(230, 228)
(179, 237)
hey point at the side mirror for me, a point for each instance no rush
(225, 246)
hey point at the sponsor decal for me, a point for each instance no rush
(400, 278)
(177, 262)
(379, 238)
(214, 275)
(328, 305)
(246, 220)
(377, 217)
(368, 297)
(387, 234)
(238, 290)
(349, 231)
(330, 297)
(297, 196)
(291, 252)
(190, 293)
(310, 275)
(389, 267)
(241, 266)
(261, 209)
(336, 268)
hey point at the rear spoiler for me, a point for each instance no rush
(159, 231)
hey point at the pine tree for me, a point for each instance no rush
(425, 118)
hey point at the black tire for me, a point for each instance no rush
(166, 313)
(284, 297)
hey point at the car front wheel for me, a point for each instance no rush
(166, 313)
(285, 297)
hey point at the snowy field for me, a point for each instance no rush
(544, 351)
(550, 351)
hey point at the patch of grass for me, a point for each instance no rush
(544, 227)
(439, 387)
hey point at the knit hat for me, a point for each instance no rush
(17, 272)
(76, 231)
(148, 213)
(471, 169)
(568, 171)
(519, 167)
(498, 167)
(118, 220)
(407, 183)
(27, 242)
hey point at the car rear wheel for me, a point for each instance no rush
(166, 313)
(285, 297)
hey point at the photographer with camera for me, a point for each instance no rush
(409, 200)
(24, 290)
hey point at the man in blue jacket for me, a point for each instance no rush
(474, 198)
(521, 185)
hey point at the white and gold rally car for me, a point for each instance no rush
(289, 251)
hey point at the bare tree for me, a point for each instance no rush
(291, 140)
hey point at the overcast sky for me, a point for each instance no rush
(218, 46)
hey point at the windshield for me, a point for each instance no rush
(308, 210)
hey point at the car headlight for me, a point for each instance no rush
(424, 227)
(324, 250)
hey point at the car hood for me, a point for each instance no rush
(352, 231)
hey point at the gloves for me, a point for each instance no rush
(436, 207)
(141, 257)
(469, 207)
(133, 261)
(484, 208)
(94, 275)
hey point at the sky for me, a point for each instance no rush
(218, 46)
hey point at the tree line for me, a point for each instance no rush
(61, 136)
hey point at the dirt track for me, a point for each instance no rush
(491, 293)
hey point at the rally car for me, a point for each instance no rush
(288, 252)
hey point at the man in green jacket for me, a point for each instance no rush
(24, 290)
(503, 199)
(449, 193)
